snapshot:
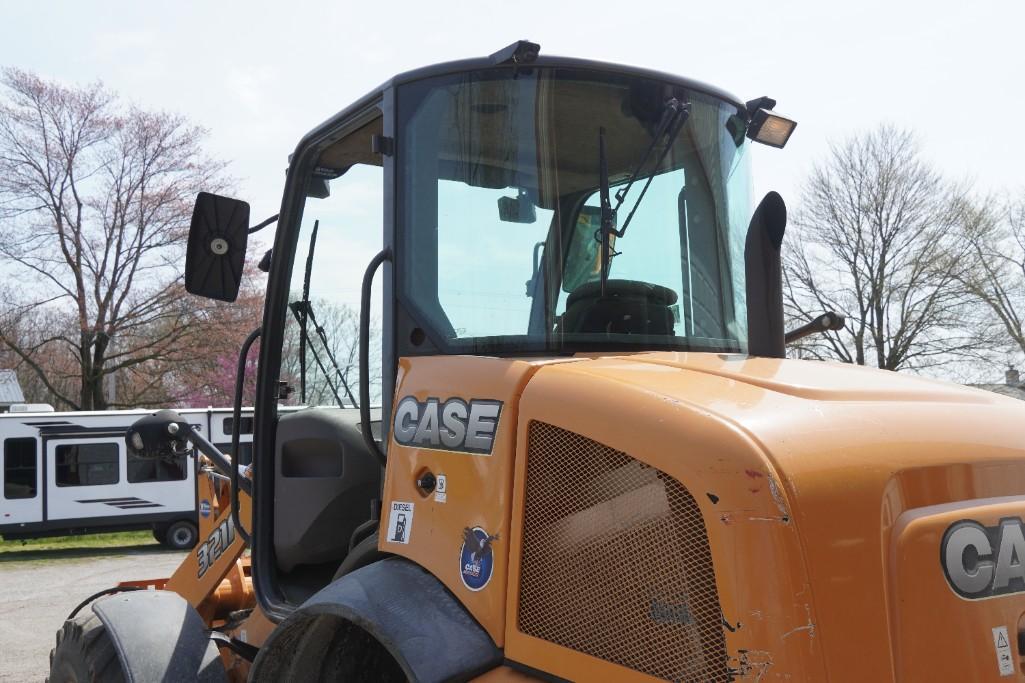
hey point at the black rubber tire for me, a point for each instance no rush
(182, 535)
(84, 653)
(364, 553)
(159, 532)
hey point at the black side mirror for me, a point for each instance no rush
(159, 435)
(216, 252)
(764, 273)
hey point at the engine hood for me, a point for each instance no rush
(822, 381)
(801, 410)
(860, 458)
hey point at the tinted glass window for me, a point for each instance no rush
(20, 468)
(245, 425)
(499, 220)
(172, 468)
(87, 464)
(245, 452)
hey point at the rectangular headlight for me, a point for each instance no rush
(769, 128)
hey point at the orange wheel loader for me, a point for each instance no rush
(576, 451)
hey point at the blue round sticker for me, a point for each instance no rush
(204, 508)
(476, 558)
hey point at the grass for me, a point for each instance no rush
(111, 540)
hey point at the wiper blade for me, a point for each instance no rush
(608, 214)
(674, 116)
(301, 313)
(303, 310)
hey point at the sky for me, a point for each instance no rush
(260, 75)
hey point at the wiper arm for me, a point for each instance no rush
(303, 310)
(301, 313)
(608, 214)
(330, 354)
(674, 116)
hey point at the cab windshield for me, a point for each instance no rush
(499, 214)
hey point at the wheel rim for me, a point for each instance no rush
(182, 536)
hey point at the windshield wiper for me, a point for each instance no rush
(674, 115)
(303, 312)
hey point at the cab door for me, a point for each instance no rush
(22, 476)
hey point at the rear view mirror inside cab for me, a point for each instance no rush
(518, 209)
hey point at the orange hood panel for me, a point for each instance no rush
(874, 466)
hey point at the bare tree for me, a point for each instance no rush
(994, 230)
(95, 199)
(872, 240)
(28, 331)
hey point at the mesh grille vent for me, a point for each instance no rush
(616, 562)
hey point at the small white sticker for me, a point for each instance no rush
(441, 489)
(400, 522)
(1004, 661)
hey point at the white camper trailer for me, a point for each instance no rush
(70, 473)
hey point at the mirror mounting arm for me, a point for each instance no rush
(828, 321)
(260, 226)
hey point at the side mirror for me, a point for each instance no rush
(161, 434)
(764, 274)
(216, 251)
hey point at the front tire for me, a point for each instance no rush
(84, 653)
(182, 535)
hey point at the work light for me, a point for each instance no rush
(770, 128)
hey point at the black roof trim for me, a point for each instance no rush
(561, 62)
(480, 63)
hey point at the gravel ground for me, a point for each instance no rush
(39, 589)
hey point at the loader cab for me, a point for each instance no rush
(490, 191)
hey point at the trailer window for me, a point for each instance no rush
(87, 464)
(142, 470)
(19, 468)
(245, 425)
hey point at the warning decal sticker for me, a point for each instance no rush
(1003, 647)
(400, 522)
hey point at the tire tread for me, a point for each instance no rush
(84, 652)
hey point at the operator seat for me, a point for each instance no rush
(628, 307)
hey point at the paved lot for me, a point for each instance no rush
(37, 594)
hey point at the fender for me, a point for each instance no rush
(159, 637)
(407, 610)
